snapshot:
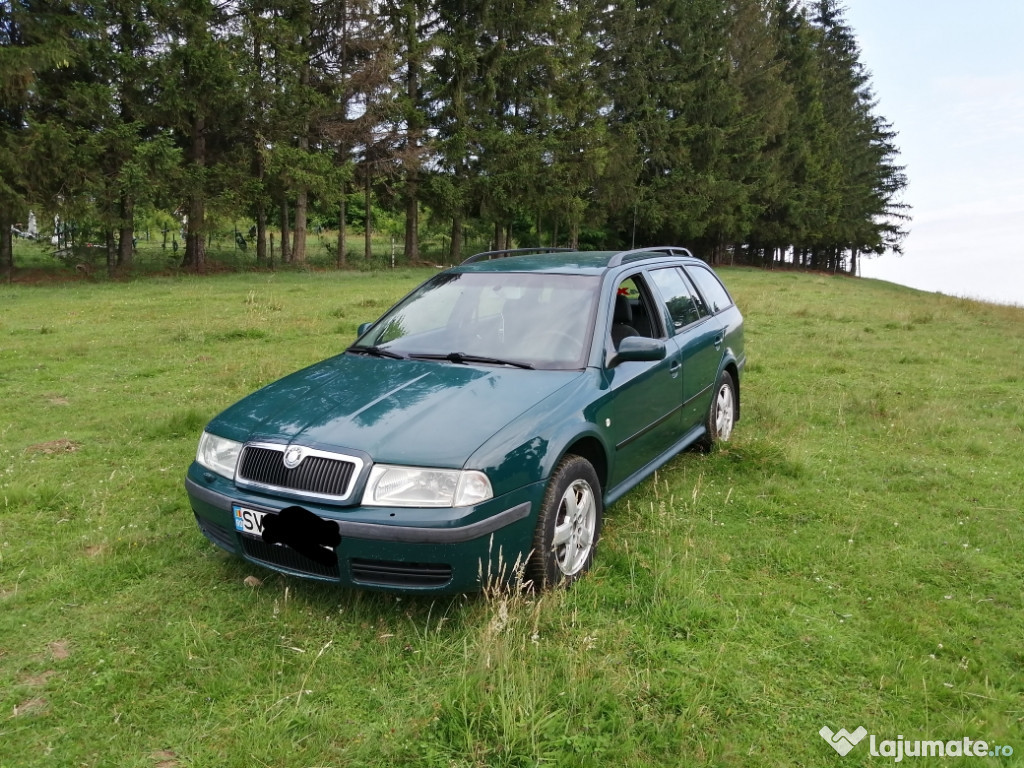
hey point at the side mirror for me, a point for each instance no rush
(363, 328)
(639, 349)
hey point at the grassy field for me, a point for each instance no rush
(853, 558)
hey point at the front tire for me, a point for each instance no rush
(568, 526)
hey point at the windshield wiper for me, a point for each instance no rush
(462, 359)
(376, 352)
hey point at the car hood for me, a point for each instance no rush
(397, 411)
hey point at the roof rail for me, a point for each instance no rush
(639, 253)
(488, 255)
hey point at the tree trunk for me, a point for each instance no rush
(126, 233)
(412, 220)
(126, 97)
(111, 249)
(261, 233)
(6, 244)
(286, 254)
(499, 242)
(258, 170)
(412, 145)
(302, 198)
(368, 238)
(195, 248)
(456, 247)
(342, 256)
(299, 240)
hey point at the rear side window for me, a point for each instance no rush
(682, 306)
(714, 293)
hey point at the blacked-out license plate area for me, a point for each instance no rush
(294, 527)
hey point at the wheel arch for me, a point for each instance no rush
(734, 371)
(593, 450)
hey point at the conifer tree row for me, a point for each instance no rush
(745, 129)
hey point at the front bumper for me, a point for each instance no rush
(409, 550)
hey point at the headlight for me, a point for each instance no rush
(391, 486)
(218, 454)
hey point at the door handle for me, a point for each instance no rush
(674, 368)
(719, 339)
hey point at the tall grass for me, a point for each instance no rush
(851, 558)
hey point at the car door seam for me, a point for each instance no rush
(648, 428)
(709, 386)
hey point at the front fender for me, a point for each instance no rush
(528, 449)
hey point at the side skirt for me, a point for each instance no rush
(648, 469)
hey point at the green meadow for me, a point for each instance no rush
(851, 558)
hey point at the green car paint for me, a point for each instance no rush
(353, 401)
(403, 398)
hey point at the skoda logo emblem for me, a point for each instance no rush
(293, 456)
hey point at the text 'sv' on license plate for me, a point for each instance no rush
(249, 521)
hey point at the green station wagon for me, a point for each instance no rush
(476, 432)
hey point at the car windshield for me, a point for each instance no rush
(523, 319)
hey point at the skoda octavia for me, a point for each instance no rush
(477, 431)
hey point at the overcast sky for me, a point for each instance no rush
(950, 77)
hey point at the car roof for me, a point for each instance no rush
(567, 261)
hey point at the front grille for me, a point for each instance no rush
(286, 557)
(219, 536)
(396, 574)
(316, 474)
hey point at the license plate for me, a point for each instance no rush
(249, 521)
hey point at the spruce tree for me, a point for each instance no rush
(575, 144)
(357, 64)
(411, 24)
(36, 36)
(869, 214)
(201, 102)
(454, 84)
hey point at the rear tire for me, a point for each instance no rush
(722, 414)
(568, 526)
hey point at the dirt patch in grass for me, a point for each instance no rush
(165, 758)
(38, 680)
(33, 706)
(59, 649)
(54, 446)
